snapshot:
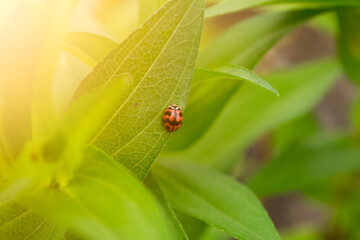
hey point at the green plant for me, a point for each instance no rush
(99, 168)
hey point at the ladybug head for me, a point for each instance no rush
(174, 107)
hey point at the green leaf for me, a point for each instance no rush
(243, 44)
(177, 228)
(160, 58)
(88, 47)
(193, 227)
(294, 132)
(212, 233)
(233, 72)
(242, 73)
(302, 233)
(216, 199)
(103, 201)
(252, 112)
(231, 6)
(211, 104)
(348, 217)
(318, 158)
(325, 23)
(18, 222)
(349, 47)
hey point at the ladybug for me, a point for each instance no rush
(172, 118)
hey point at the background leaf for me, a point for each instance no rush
(18, 222)
(214, 234)
(230, 6)
(88, 47)
(320, 157)
(232, 47)
(349, 47)
(233, 72)
(109, 203)
(294, 132)
(62, 152)
(178, 229)
(302, 233)
(325, 23)
(160, 58)
(194, 227)
(216, 199)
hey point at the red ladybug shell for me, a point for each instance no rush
(172, 118)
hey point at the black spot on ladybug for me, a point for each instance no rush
(172, 123)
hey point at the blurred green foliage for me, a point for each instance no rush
(87, 170)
